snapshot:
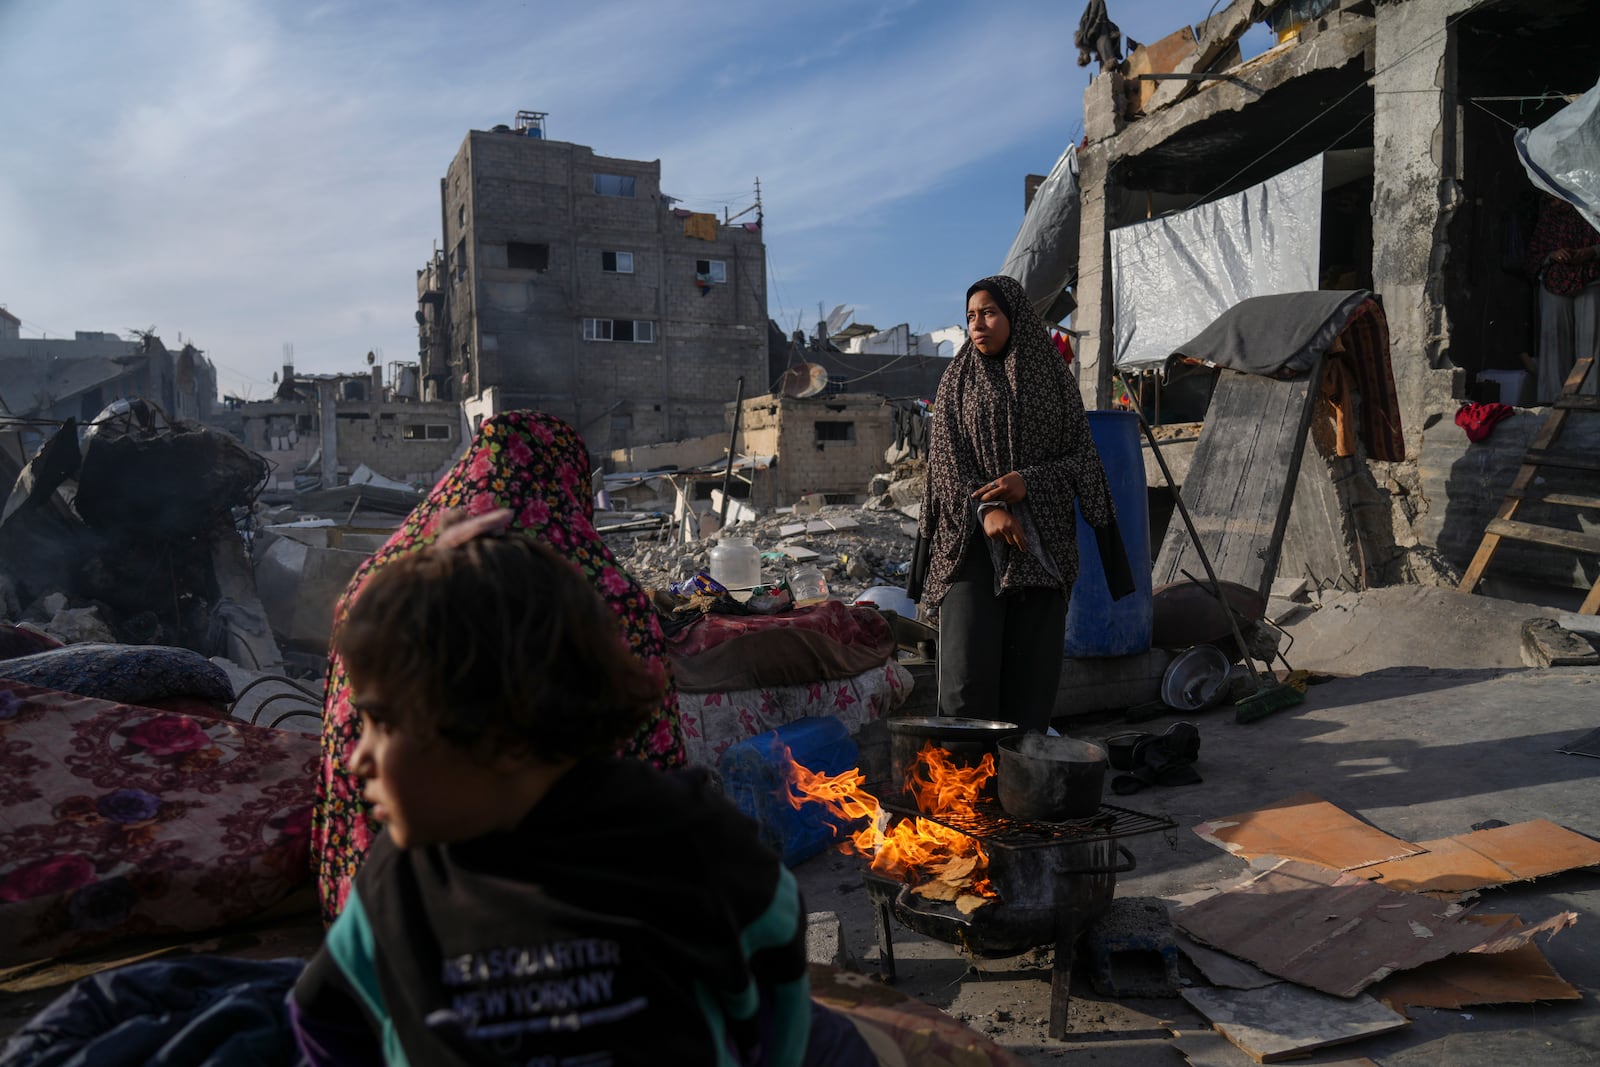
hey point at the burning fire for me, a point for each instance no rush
(938, 862)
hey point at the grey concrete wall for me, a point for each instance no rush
(1415, 193)
(787, 428)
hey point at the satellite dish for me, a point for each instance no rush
(803, 380)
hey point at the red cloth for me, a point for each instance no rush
(1479, 419)
(1366, 357)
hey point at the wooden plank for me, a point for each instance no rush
(1568, 461)
(1578, 403)
(1283, 1021)
(1576, 540)
(1565, 500)
(1546, 436)
(1240, 485)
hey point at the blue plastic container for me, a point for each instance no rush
(1096, 624)
(754, 776)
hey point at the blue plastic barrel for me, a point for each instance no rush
(1096, 624)
(755, 775)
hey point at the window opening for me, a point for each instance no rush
(520, 256)
(614, 185)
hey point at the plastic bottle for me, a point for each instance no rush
(807, 585)
(736, 563)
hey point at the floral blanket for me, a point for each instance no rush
(118, 820)
(712, 722)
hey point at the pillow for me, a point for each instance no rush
(124, 674)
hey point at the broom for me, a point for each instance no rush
(1264, 695)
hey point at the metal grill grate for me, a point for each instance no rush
(988, 822)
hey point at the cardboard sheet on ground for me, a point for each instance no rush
(1486, 858)
(1338, 932)
(1305, 827)
(1207, 1048)
(1518, 976)
(1283, 1021)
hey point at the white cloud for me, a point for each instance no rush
(251, 173)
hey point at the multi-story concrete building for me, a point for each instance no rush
(568, 282)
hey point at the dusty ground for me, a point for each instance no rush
(1420, 752)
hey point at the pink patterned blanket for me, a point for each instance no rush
(118, 821)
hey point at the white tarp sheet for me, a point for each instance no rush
(1171, 277)
(1562, 154)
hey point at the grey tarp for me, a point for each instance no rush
(1045, 253)
(1562, 154)
(1278, 336)
(1173, 276)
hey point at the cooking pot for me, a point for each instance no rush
(967, 741)
(1050, 778)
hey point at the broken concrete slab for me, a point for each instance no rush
(1305, 827)
(1283, 1021)
(76, 626)
(1546, 643)
(1337, 932)
(1410, 626)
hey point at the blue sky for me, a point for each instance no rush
(249, 173)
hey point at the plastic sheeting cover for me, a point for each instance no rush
(1045, 251)
(1172, 277)
(1562, 154)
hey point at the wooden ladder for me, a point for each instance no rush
(1542, 453)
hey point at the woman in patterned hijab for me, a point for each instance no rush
(537, 466)
(1009, 453)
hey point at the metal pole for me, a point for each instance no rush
(1194, 535)
(733, 436)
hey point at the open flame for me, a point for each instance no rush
(938, 862)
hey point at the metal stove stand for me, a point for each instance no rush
(1049, 894)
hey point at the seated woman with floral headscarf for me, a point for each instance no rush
(537, 466)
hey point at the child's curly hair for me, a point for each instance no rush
(498, 644)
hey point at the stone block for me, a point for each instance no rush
(1545, 643)
(825, 942)
(1132, 952)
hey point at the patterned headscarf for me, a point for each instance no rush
(537, 466)
(1017, 411)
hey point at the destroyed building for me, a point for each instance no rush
(569, 282)
(321, 430)
(860, 358)
(56, 378)
(1384, 132)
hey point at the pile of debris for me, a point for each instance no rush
(855, 546)
(129, 535)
